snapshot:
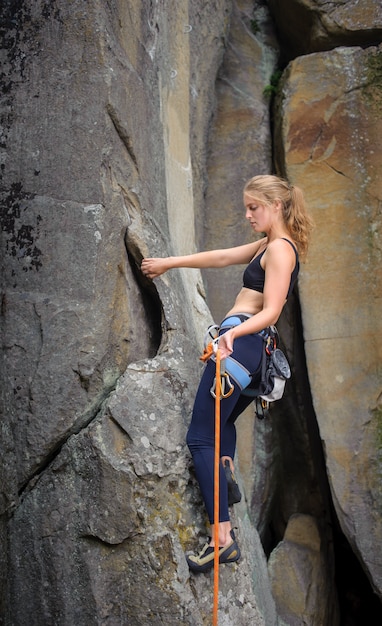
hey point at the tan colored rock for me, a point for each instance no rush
(330, 129)
(240, 147)
(300, 578)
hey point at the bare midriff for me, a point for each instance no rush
(247, 301)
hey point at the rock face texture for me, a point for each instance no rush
(105, 112)
(239, 142)
(306, 590)
(128, 129)
(334, 137)
(314, 25)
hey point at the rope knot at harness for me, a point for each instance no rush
(208, 352)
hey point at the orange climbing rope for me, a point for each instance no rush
(216, 490)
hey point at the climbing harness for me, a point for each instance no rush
(211, 340)
(274, 369)
(216, 490)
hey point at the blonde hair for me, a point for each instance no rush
(267, 189)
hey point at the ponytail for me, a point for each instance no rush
(296, 218)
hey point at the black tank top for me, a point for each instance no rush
(254, 275)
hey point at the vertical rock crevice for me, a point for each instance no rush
(151, 303)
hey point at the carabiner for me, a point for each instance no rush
(270, 345)
(261, 408)
(211, 334)
(224, 380)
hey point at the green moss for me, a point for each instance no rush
(255, 28)
(377, 416)
(375, 477)
(373, 89)
(271, 89)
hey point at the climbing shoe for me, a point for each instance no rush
(234, 494)
(204, 561)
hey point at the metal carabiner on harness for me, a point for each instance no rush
(225, 381)
(210, 345)
(270, 336)
(271, 345)
(211, 334)
(261, 408)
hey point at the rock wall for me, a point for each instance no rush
(129, 129)
(106, 109)
(334, 137)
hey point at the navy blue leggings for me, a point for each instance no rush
(201, 433)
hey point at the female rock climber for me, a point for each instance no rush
(276, 209)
